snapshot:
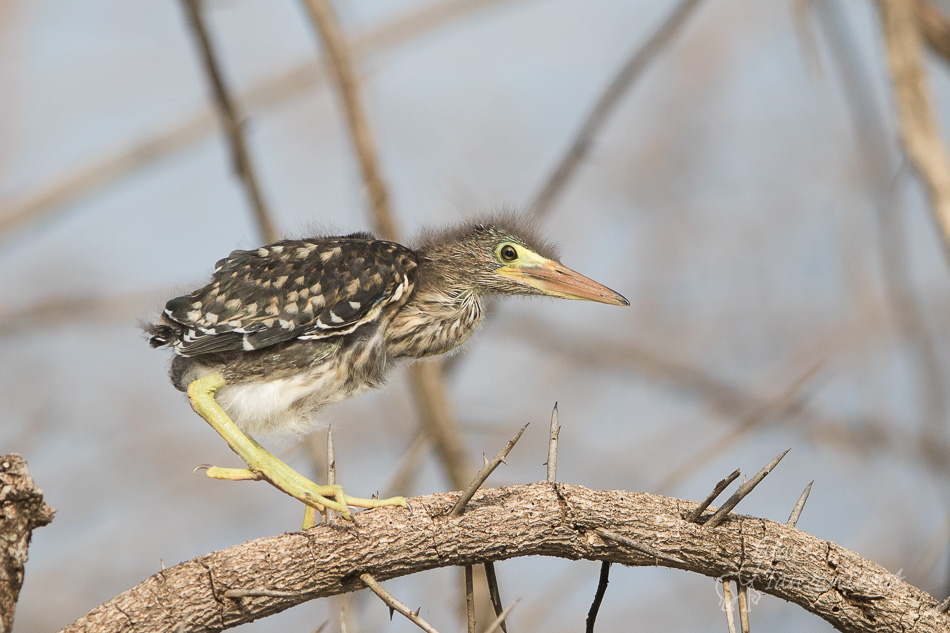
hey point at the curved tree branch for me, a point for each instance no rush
(542, 519)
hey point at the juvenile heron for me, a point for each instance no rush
(284, 329)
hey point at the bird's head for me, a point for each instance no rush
(506, 257)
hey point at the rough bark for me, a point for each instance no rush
(22, 509)
(542, 519)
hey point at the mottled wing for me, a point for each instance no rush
(302, 289)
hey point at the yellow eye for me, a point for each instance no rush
(507, 253)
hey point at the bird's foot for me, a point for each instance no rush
(317, 498)
(262, 465)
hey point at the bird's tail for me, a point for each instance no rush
(160, 333)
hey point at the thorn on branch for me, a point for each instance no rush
(483, 474)
(598, 596)
(693, 516)
(395, 604)
(743, 607)
(470, 598)
(640, 547)
(727, 605)
(741, 493)
(494, 594)
(552, 446)
(500, 620)
(799, 505)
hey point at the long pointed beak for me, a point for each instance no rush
(557, 280)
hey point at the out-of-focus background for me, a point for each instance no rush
(747, 193)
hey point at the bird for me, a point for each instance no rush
(285, 329)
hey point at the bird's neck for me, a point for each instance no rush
(433, 321)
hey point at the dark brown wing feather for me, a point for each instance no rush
(308, 289)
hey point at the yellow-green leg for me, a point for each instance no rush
(262, 465)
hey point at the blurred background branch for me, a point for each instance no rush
(919, 131)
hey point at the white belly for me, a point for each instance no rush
(285, 406)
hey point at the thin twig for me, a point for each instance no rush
(743, 490)
(743, 607)
(337, 50)
(799, 505)
(872, 131)
(495, 594)
(118, 162)
(395, 604)
(727, 604)
(552, 446)
(598, 596)
(502, 617)
(693, 516)
(231, 120)
(483, 474)
(469, 599)
(920, 133)
(619, 85)
(640, 547)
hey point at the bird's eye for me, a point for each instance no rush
(508, 253)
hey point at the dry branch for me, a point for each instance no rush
(120, 161)
(231, 121)
(598, 596)
(435, 411)
(494, 593)
(608, 100)
(396, 605)
(727, 603)
(838, 585)
(485, 471)
(469, 599)
(427, 380)
(743, 592)
(338, 52)
(920, 133)
(22, 510)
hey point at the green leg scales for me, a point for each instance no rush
(262, 465)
